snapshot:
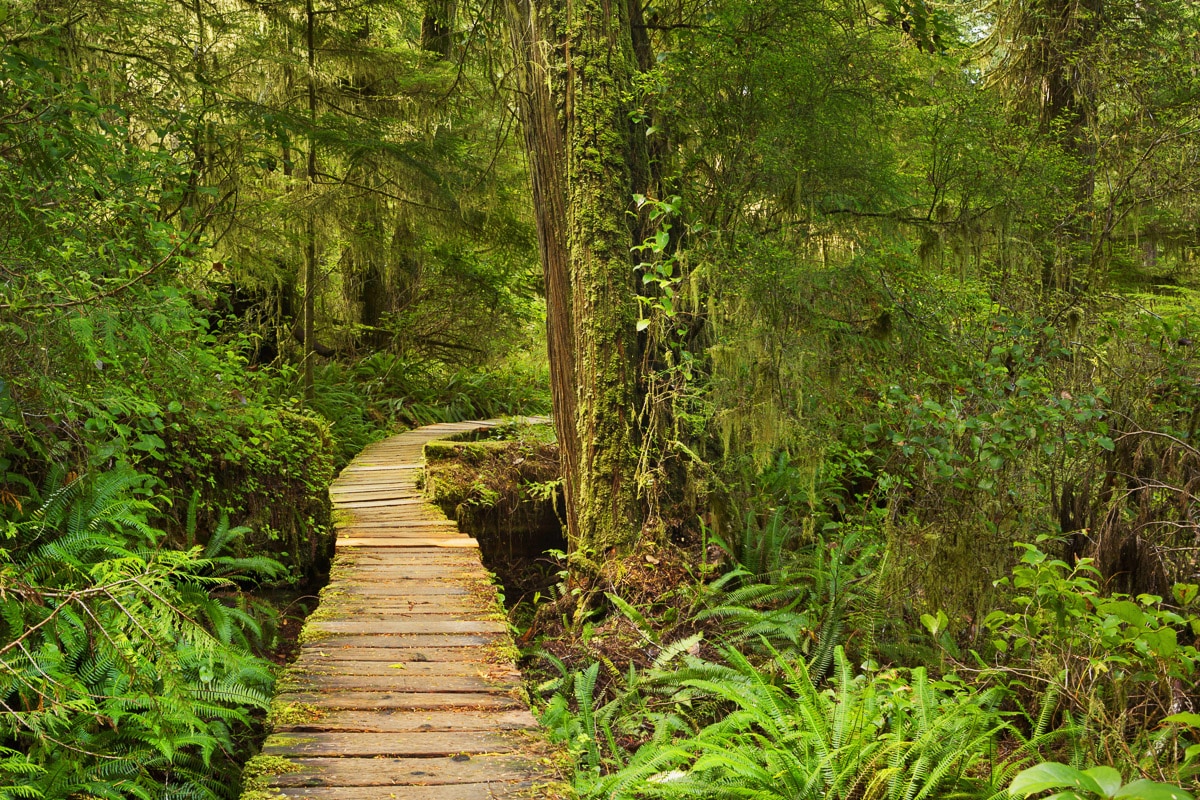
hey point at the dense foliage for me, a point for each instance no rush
(880, 444)
(161, 459)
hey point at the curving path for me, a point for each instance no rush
(405, 686)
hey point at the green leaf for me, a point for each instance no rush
(1185, 593)
(1124, 610)
(1187, 718)
(1149, 790)
(935, 625)
(1052, 775)
(642, 324)
(1106, 443)
(1108, 779)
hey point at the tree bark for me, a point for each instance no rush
(546, 151)
(579, 159)
(599, 67)
(310, 225)
(1053, 40)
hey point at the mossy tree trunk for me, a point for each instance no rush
(545, 144)
(575, 63)
(599, 67)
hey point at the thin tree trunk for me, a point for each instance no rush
(310, 227)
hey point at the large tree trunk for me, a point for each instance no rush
(580, 167)
(546, 149)
(599, 67)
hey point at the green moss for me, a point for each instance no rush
(257, 775)
(330, 608)
(283, 715)
(284, 740)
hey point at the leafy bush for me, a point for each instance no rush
(1120, 665)
(1103, 782)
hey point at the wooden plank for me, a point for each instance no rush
(390, 641)
(384, 473)
(410, 541)
(398, 721)
(398, 612)
(424, 623)
(358, 520)
(415, 465)
(410, 587)
(342, 505)
(367, 559)
(375, 492)
(429, 557)
(401, 529)
(407, 771)
(394, 745)
(391, 655)
(465, 604)
(397, 581)
(312, 665)
(396, 576)
(400, 681)
(407, 701)
(493, 790)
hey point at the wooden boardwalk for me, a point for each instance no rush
(405, 686)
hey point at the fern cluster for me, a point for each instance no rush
(777, 733)
(780, 713)
(122, 674)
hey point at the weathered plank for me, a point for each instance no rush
(400, 720)
(493, 790)
(392, 655)
(411, 587)
(395, 745)
(424, 623)
(353, 470)
(405, 701)
(392, 641)
(407, 541)
(400, 682)
(407, 771)
(313, 666)
(358, 504)
(411, 604)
